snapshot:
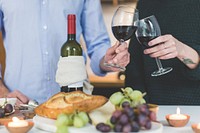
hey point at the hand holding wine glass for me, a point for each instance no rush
(118, 55)
(147, 30)
(124, 23)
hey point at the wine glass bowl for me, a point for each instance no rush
(147, 30)
(124, 25)
(124, 22)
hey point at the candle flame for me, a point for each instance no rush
(15, 119)
(178, 111)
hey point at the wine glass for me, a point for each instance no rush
(124, 24)
(147, 30)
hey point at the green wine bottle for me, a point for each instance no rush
(71, 48)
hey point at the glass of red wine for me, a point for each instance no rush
(124, 24)
(147, 30)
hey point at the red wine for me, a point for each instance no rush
(144, 40)
(123, 32)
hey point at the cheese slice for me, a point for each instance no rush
(102, 114)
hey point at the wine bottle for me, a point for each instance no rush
(71, 48)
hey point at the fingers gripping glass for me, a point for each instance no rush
(148, 29)
(124, 23)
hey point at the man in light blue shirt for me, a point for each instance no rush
(33, 33)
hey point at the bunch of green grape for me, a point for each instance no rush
(134, 97)
(78, 119)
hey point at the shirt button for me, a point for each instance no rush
(44, 27)
(46, 53)
(48, 78)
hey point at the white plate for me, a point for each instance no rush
(156, 128)
(47, 124)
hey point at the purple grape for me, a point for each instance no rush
(142, 119)
(148, 124)
(135, 126)
(117, 113)
(144, 109)
(8, 108)
(99, 125)
(125, 104)
(123, 119)
(118, 127)
(127, 128)
(103, 127)
(113, 120)
(107, 128)
(129, 112)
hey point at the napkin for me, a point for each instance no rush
(71, 70)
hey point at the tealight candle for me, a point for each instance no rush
(178, 115)
(178, 119)
(18, 126)
(198, 126)
(17, 123)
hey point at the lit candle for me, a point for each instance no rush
(17, 123)
(198, 126)
(178, 115)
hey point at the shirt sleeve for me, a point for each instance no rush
(1, 17)
(1, 25)
(95, 34)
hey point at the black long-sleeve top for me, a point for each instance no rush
(180, 18)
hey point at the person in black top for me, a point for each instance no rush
(179, 48)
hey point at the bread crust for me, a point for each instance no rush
(69, 103)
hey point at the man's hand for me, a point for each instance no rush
(4, 92)
(21, 98)
(117, 54)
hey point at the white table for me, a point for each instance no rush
(193, 111)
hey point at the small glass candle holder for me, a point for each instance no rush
(19, 126)
(178, 119)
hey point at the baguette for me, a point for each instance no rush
(69, 103)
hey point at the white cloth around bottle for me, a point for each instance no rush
(70, 70)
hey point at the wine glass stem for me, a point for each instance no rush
(158, 62)
(121, 41)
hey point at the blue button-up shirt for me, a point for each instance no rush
(33, 33)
